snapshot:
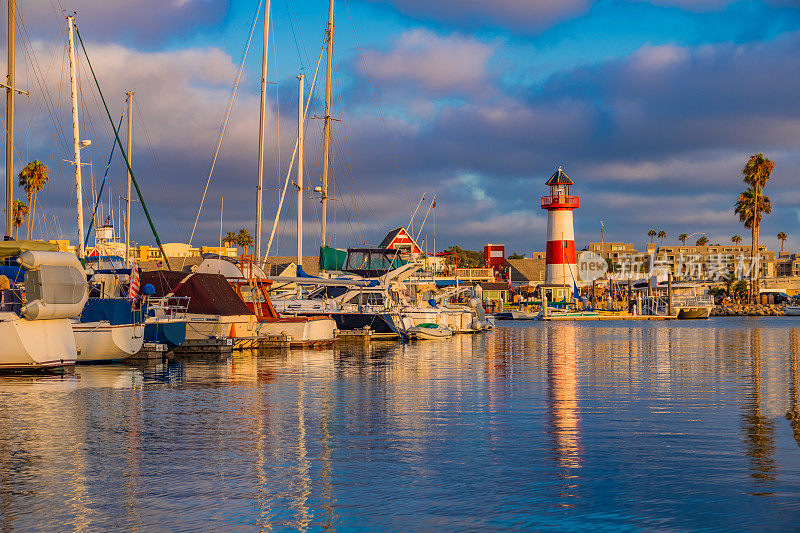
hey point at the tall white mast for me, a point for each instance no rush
(128, 194)
(326, 143)
(10, 121)
(76, 136)
(261, 126)
(300, 141)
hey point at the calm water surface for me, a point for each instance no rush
(559, 426)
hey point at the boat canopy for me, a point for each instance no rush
(117, 311)
(210, 294)
(15, 248)
(372, 262)
(331, 258)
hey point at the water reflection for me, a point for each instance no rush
(562, 388)
(793, 415)
(563, 425)
(759, 430)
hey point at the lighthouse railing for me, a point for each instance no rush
(566, 201)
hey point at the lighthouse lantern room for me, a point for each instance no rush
(560, 270)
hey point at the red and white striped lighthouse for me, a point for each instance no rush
(560, 270)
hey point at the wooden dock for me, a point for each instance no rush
(354, 335)
(211, 346)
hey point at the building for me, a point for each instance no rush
(560, 255)
(788, 264)
(612, 250)
(528, 271)
(400, 239)
(494, 257)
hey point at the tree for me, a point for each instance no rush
(683, 238)
(516, 255)
(782, 237)
(702, 241)
(662, 235)
(652, 234)
(736, 239)
(230, 239)
(20, 211)
(244, 240)
(466, 258)
(32, 179)
(752, 204)
(729, 280)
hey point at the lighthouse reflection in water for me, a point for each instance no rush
(531, 426)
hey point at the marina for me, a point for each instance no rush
(478, 270)
(602, 426)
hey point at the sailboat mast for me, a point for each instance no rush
(9, 228)
(326, 142)
(300, 143)
(261, 127)
(76, 136)
(128, 194)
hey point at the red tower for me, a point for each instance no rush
(560, 271)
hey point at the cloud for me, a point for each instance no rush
(520, 15)
(143, 22)
(440, 65)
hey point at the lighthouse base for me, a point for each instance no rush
(557, 293)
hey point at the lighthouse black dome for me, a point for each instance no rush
(559, 178)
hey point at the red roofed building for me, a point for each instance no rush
(399, 239)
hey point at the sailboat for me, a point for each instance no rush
(41, 289)
(109, 328)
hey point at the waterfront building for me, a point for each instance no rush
(400, 239)
(787, 264)
(560, 268)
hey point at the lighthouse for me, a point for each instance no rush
(560, 271)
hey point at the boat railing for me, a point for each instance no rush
(168, 307)
(702, 300)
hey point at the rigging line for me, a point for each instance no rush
(377, 104)
(294, 35)
(124, 155)
(40, 81)
(225, 123)
(103, 183)
(294, 154)
(157, 166)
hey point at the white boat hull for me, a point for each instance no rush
(430, 333)
(32, 344)
(792, 310)
(303, 330)
(457, 321)
(100, 341)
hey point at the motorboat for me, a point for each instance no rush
(252, 285)
(515, 315)
(45, 290)
(217, 312)
(429, 331)
(791, 310)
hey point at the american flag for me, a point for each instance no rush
(133, 291)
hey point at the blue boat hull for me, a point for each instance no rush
(173, 334)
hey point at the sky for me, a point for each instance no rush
(652, 107)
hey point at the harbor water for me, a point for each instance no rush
(562, 426)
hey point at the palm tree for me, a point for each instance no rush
(20, 211)
(662, 235)
(32, 179)
(230, 238)
(244, 240)
(782, 237)
(736, 239)
(702, 241)
(752, 204)
(652, 234)
(683, 238)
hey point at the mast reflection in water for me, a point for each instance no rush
(565, 426)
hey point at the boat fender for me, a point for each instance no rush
(39, 310)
